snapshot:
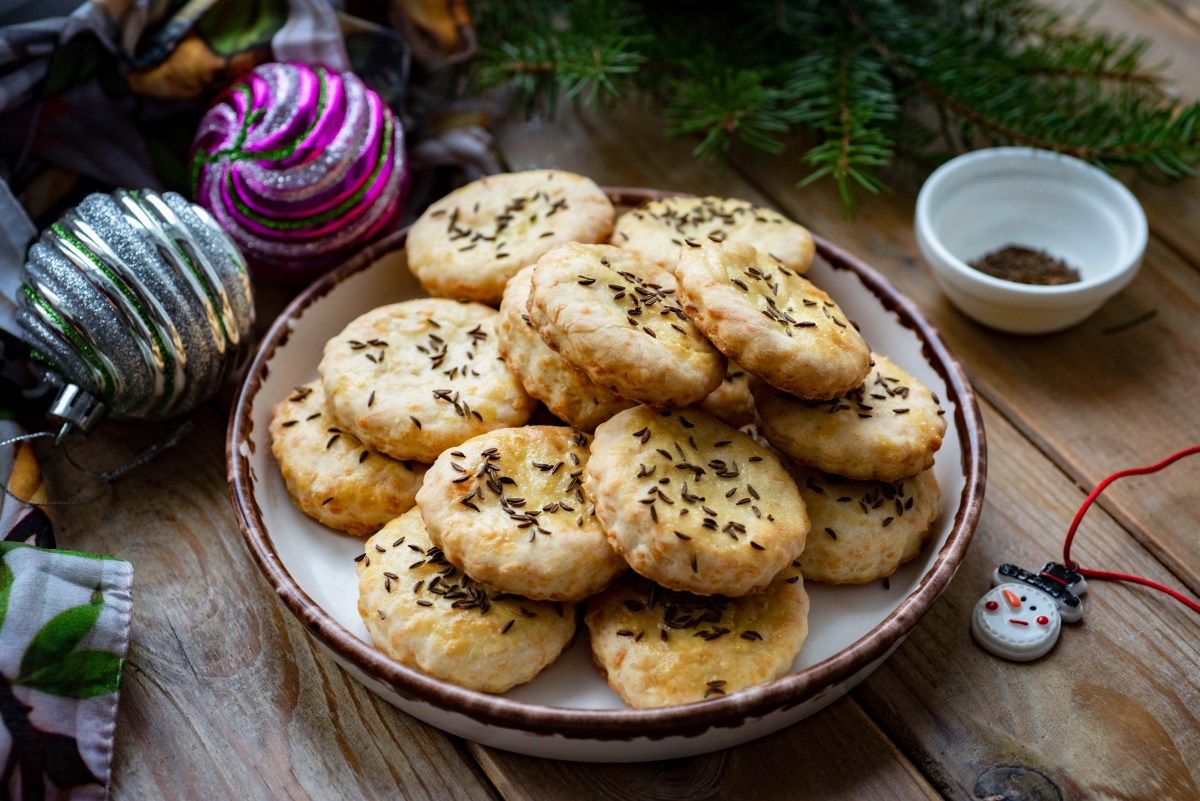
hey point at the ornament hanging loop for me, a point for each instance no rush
(106, 477)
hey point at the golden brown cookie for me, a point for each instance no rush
(863, 530)
(423, 612)
(732, 401)
(415, 378)
(567, 392)
(772, 321)
(331, 476)
(694, 504)
(887, 428)
(468, 244)
(614, 316)
(659, 229)
(659, 647)
(508, 508)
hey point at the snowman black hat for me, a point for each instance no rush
(1058, 581)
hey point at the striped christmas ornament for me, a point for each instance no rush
(137, 305)
(301, 166)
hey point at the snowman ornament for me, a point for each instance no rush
(1021, 616)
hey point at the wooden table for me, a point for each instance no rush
(225, 695)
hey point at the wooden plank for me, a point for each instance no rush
(225, 695)
(1095, 402)
(1188, 9)
(1112, 713)
(836, 754)
(1173, 26)
(622, 146)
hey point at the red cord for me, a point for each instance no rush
(1101, 574)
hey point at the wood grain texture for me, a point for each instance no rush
(838, 753)
(1094, 400)
(1173, 29)
(1112, 713)
(224, 694)
(1065, 391)
(1077, 406)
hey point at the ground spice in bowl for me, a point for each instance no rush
(1026, 266)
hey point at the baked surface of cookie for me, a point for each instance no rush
(887, 428)
(659, 229)
(659, 647)
(424, 613)
(694, 504)
(567, 392)
(732, 401)
(772, 321)
(469, 243)
(863, 530)
(614, 316)
(331, 476)
(508, 507)
(415, 378)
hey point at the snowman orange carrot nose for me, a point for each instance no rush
(1012, 599)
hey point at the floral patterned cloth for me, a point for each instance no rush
(64, 633)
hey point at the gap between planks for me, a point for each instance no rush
(853, 757)
(1071, 467)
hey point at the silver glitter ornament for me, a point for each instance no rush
(138, 304)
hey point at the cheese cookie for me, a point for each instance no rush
(773, 322)
(658, 230)
(614, 316)
(694, 504)
(659, 647)
(423, 612)
(508, 507)
(863, 530)
(887, 428)
(331, 476)
(469, 243)
(567, 392)
(732, 401)
(415, 378)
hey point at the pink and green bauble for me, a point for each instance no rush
(302, 166)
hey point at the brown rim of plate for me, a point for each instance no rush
(619, 724)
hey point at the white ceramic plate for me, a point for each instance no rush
(569, 712)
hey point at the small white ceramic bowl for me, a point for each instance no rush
(980, 202)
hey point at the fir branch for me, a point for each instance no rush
(994, 93)
(846, 74)
(846, 96)
(728, 105)
(588, 49)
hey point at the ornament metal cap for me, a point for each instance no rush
(75, 407)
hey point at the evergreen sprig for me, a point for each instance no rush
(860, 78)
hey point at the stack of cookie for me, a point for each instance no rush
(670, 345)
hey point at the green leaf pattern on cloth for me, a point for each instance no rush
(235, 26)
(51, 663)
(6, 582)
(63, 639)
